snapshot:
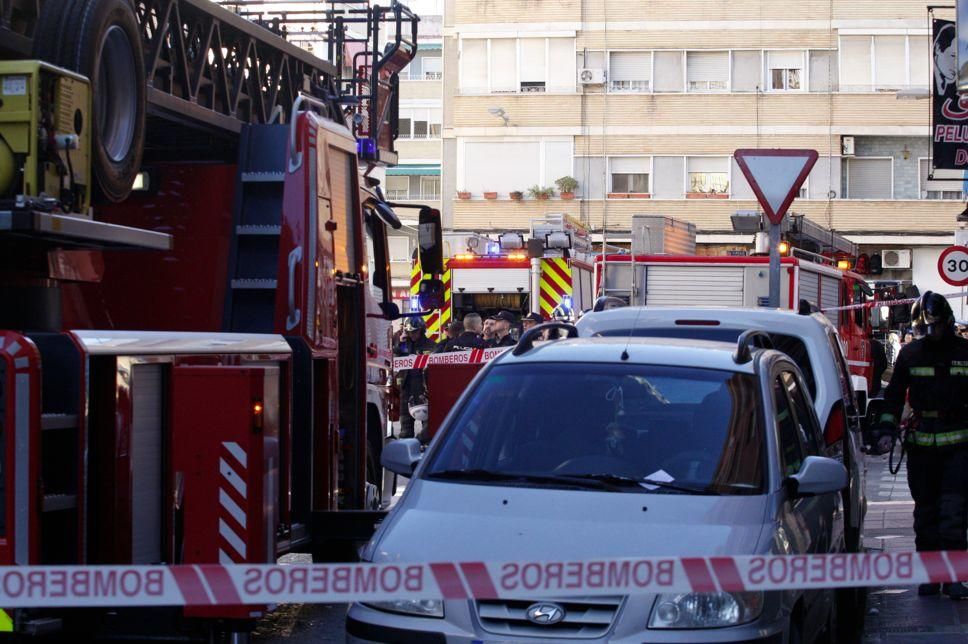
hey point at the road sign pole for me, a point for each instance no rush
(774, 266)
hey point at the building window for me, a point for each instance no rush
(746, 70)
(707, 175)
(429, 188)
(823, 71)
(399, 247)
(707, 71)
(420, 122)
(942, 184)
(513, 65)
(629, 176)
(398, 187)
(505, 166)
(870, 178)
(869, 63)
(432, 68)
(669, 73)
(630, 71)
(785, 70)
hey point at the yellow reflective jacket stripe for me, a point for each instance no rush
(925, 439)
(921, 371)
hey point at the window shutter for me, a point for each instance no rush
(920, 63)
(855, 63)
(431, 65)
(504, 65)
(668, 180)
(890, 61)
(823, 71)
(708, 164)
(942, 181)
(590, 172)
(746, 71)
(785, 59)
(668, 71)
(707, 66)
(741, 188)
(561, 64)
(630, 66)
(532, 60)
(558, 161)
(399, 247)
(869, 178)
(629, 165)
(501, 167)
(473, 62)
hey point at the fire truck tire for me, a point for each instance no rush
(101, 40)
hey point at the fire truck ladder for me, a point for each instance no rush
(254, 253)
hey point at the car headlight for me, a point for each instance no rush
(705, 610)
(419, 607)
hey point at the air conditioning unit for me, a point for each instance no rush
(591, 76)
(847, 146)
(893, 258)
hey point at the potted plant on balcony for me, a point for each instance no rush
(517, 195)
(542, 194)
(566, 187)
(464, 194)
(490, 195)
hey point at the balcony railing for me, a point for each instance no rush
(406, 195)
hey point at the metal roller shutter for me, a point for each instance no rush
(809, 287)
(695, 286)
(830, 296)
(630, 66)
(147, 393)
(489, 280)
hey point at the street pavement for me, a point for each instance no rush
(895, 614)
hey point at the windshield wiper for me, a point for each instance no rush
(521, 477)
(629, 481)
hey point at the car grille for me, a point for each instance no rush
(584, 617)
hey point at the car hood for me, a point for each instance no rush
(445, 521)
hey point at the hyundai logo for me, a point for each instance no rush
(545, 614)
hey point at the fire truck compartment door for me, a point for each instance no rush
(491, 280)
(225, 463)
(695, 285)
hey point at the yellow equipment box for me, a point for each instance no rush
(45, 135)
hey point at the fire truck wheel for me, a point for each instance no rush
(101, 40)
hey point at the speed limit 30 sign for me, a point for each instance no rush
(953, 265)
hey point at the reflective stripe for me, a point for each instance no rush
(921, 371)
(959, 371)
(888, 418)
(924, 439)
(6, 622)
(929, 414)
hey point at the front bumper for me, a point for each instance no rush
(461, 625)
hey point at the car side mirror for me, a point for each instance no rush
(430, 241)
(390, 311)
(401, 456)
(818, 475)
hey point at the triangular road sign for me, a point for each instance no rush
(775, 176)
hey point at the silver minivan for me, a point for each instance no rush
(617, 447)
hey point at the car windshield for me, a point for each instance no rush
(788, 344)
(622, 427)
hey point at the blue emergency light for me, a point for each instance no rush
(414, 304)
(493, 248)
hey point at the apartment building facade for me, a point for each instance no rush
(644, 101)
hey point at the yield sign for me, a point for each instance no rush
(775, 176)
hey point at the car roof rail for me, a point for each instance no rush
(607, 302)
(526, 343)
(746, 340)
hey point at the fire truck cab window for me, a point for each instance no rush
(701, 427)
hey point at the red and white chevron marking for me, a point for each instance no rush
(423, 360)
(233, 504)
(263, 584)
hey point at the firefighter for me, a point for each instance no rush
(470, 338)
(932, 373)
(563, 313)
(411, 381)
(531, 320)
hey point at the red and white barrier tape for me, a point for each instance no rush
(234, 585)
(473, 356)
(871, 305)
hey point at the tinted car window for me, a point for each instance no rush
(788, 344)
(700, 427)
(788, 434)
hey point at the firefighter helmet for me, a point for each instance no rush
(419, 408)
(563, 313)
(932, 315)
(414, 323)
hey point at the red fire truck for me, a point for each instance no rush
(194, 288)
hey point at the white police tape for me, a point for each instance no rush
(875, 303)
(472, 356)
(250, 585)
